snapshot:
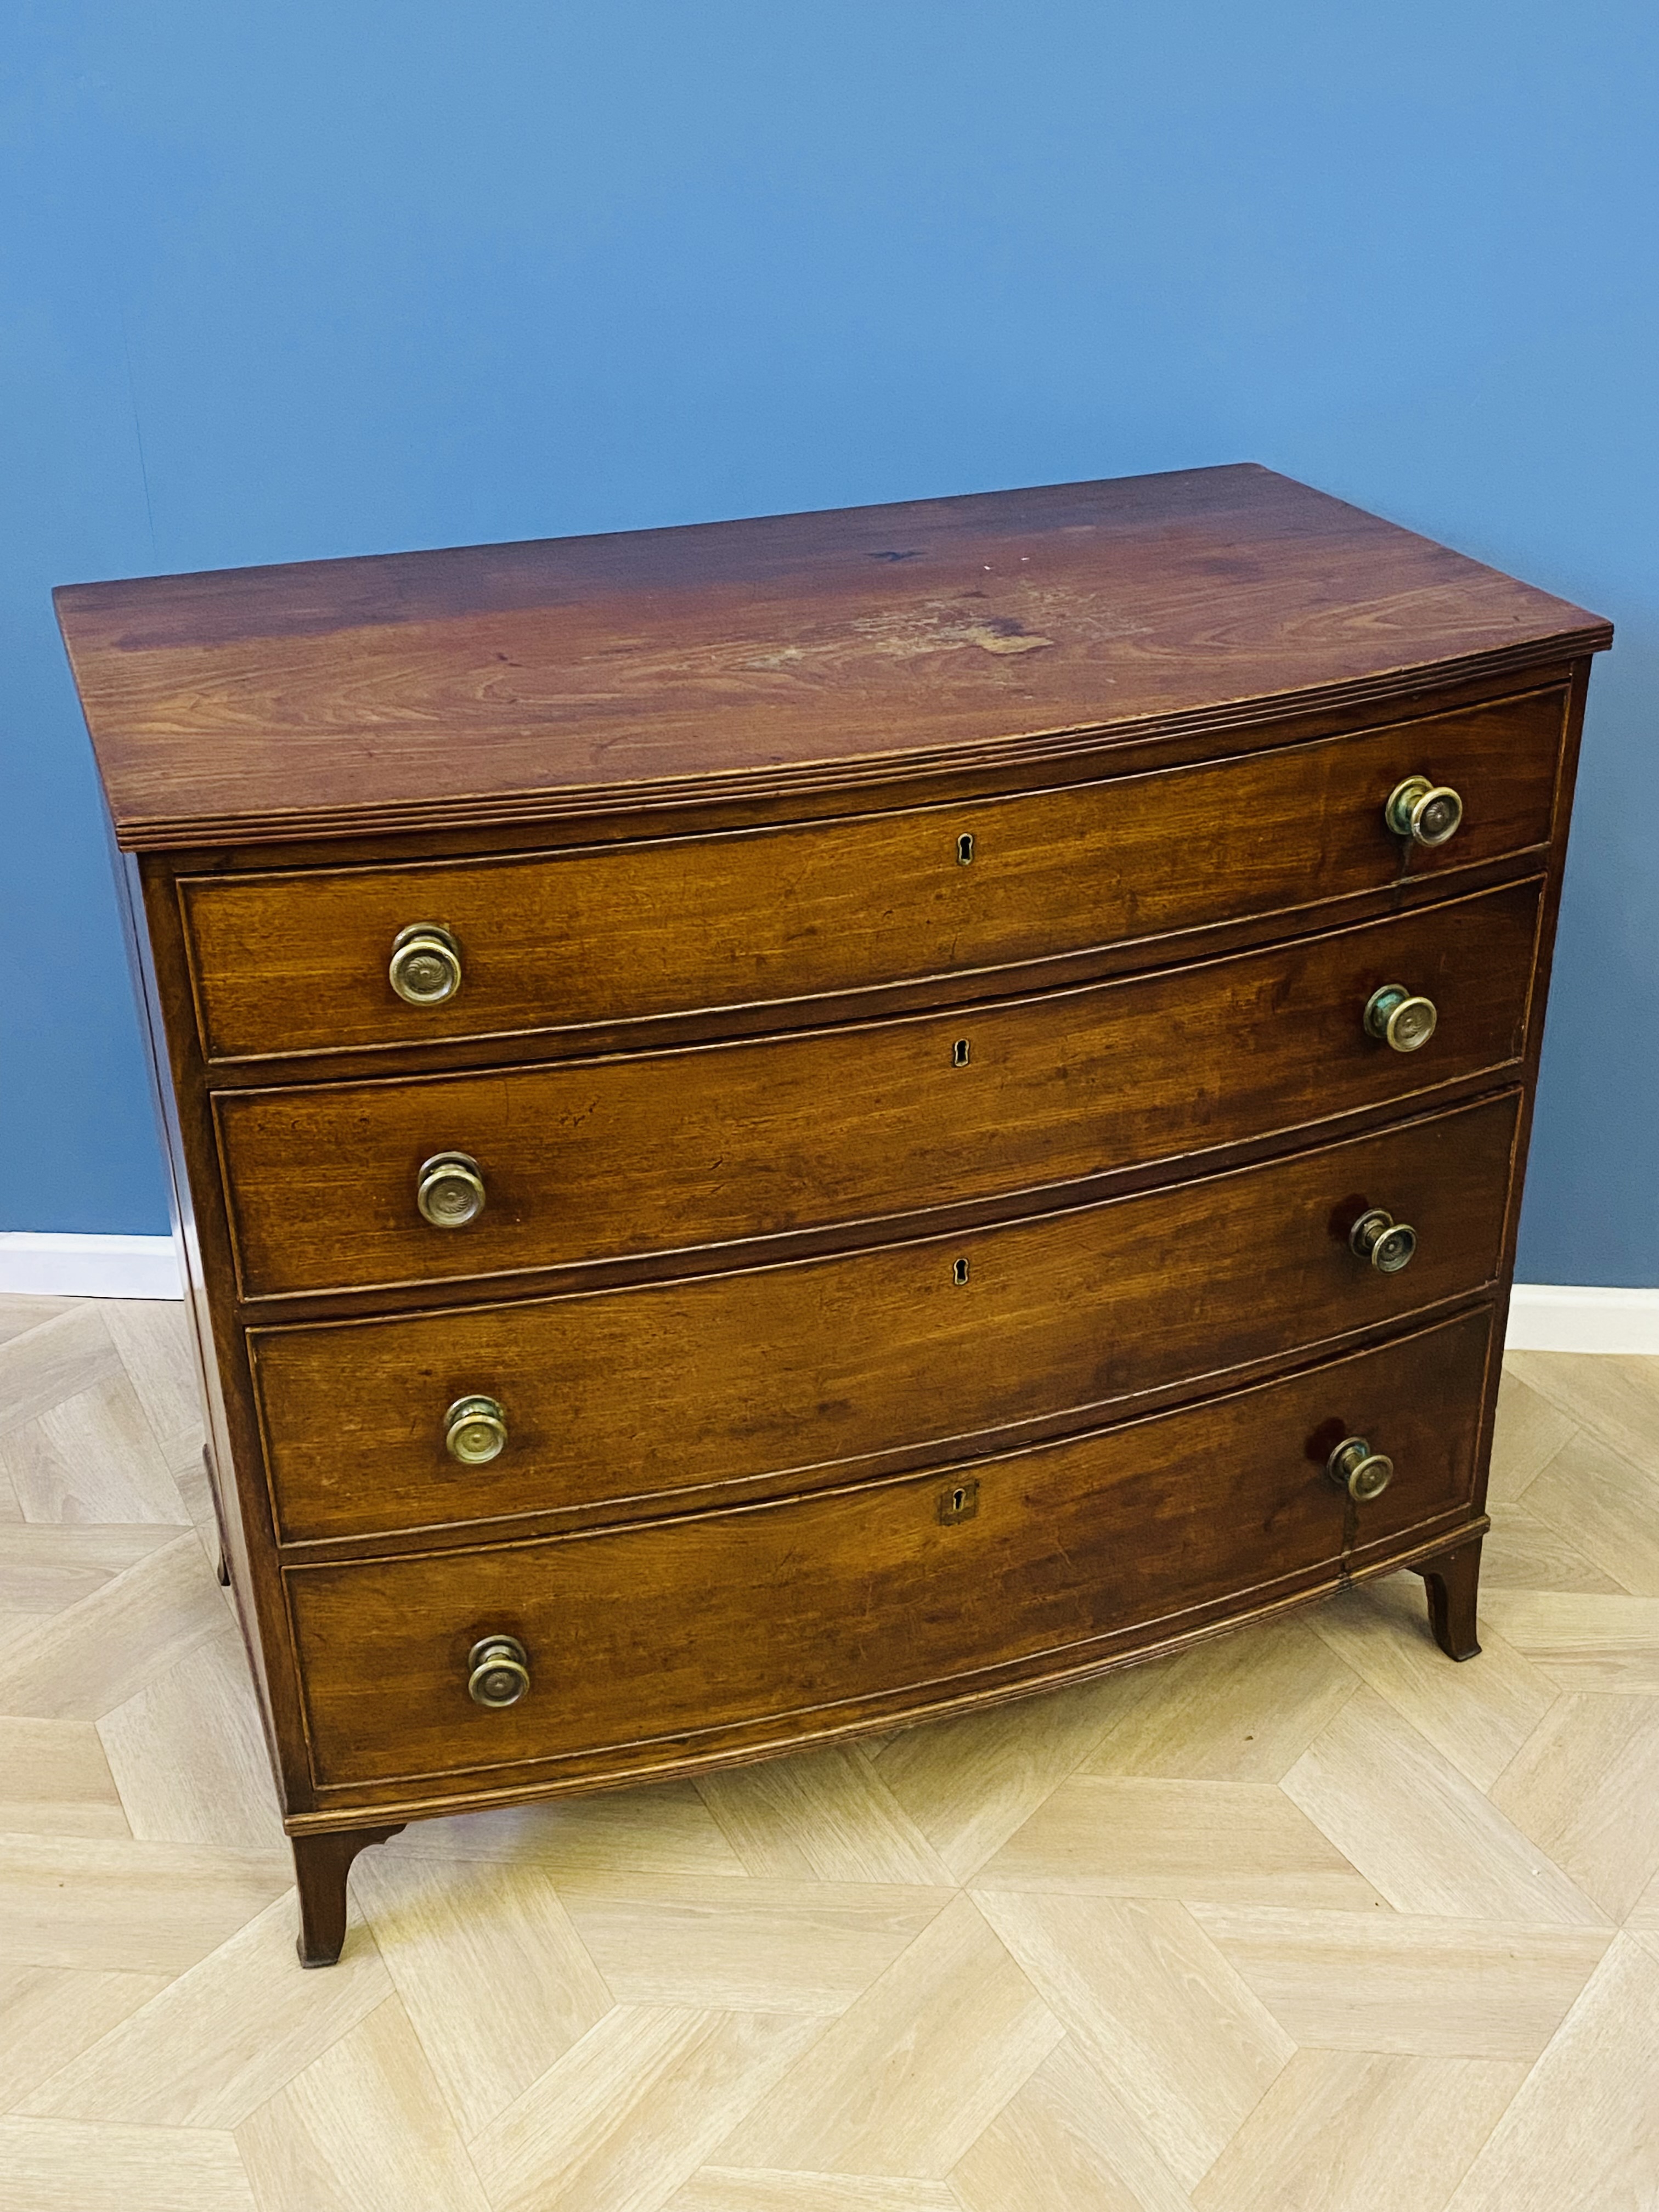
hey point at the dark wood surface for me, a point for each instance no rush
(692, 801)
(321, 1864)
(654, 1153)
(1453, 1582)
(497, 683)
(648, 1640)
(776, 1378)
(297, 963)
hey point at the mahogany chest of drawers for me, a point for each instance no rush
(783, 1127)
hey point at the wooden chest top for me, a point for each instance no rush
(498, 684)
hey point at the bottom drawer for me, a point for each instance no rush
(688, 1638)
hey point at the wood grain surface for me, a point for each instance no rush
(660, 1152)
(387, 693)
(296, 963)
(622, 1400)
(650, 1637)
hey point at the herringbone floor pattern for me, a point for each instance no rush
(1309, 1917)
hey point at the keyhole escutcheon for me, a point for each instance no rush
(959, 1053)
(965, 849)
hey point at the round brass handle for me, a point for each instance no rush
(1355, 1467)
(498, 1672)
(1387, 1243)
(1359, 1470)
(475, 1430)
(449, 1190)
(426, 965)
(1426, 813)
(1394, 1018)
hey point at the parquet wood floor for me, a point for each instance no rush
(1308, 1917)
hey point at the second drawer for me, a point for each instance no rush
(659, 1152)
(621, 1399)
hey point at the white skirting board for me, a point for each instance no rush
(1582, 1317)
(61, 1265)
(1543, 1316)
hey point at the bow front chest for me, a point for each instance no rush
(787, 1127)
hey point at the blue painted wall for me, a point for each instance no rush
(283, 282)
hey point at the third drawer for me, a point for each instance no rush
(615, 1402)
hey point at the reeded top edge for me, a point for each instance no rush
(495, 685)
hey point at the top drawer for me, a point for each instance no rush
(298, 961)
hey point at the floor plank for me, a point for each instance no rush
(135, 1907)
(664, 1829)
(49, 2015)
(189, 1755)
(57, 1359)
(1180, 2042)
(249, 2019)
(1531, 1429)
(969, 1783)
(92, 1457)
(1135, 1836)
(1524, 1552)
(1586, 1788)
(1233, 1709)
(1407, 1984)
(1615, 1397)
(496, 1981)
(629, 2114)
(1380, 1630)
(1582, 2132)
(153, 1338)
(1584, 1643)
(1420, 1830)
(56, 1781)
(1061, 2144)
(904, 2081)
(755, 1946)
(1606, 1506)
(362, 2128)
(47, 1565)
(737, 2189)
(825, 1816)
(82, 1663)
(74, 2165)
(20, 1313)
(1354, 2131)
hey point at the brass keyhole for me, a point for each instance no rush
(960, 1271)
(959, 1053)
(959, 1502)
(965, 849)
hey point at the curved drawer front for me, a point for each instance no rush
(651, 1643)
(623, 1398)
(298, 961)
(655, 1152)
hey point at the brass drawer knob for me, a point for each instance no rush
(1355, 1467)
(1394, 1018)
(1428, 813)
(449, 1190)
(475, 1430)
(498, 1672)
(1387, 1243)
(426, 965)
